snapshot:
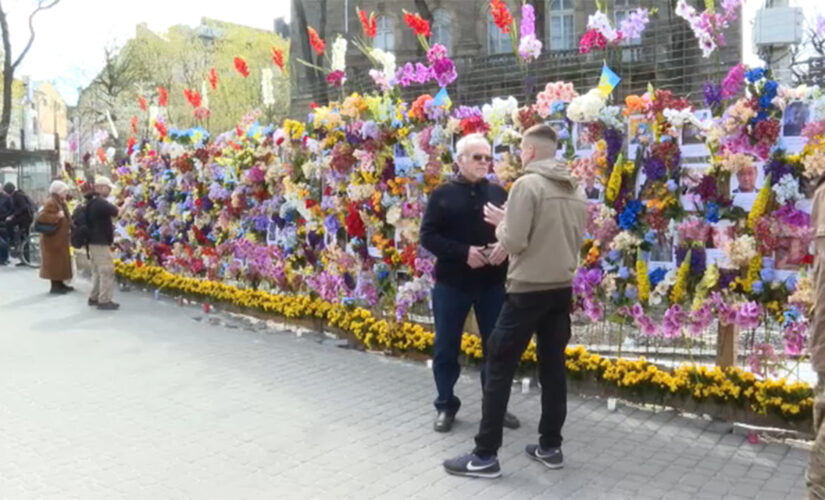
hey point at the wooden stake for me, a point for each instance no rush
(726, 346)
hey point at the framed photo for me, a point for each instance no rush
(403, 162)
(692, 174)
(273, 233)
(639, 130)
(788, 256)
(794, 118)
(720, 233)
(583, 148)
(500, 149)
(593, 190)
(662, 253)
(718, 257)
(691, 140)
(745, 184)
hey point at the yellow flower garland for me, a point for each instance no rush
(792, 401)
(680, 287)
(642, 279)
(760, 205)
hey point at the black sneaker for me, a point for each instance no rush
(552, 458)
(472, 466)
(109, 306)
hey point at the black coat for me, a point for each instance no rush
(452, 223)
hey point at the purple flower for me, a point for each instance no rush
(713, 95)
(369, 130)
(331, 224)
(436, 53)
(409, 74)
(748, 315)
(790, 215)
(463, 112)
(654, 168)
(528, 20)
(444, 71)
(777, 167)
(672, 321)
(614, 139)
(734, 81)
(634, 24)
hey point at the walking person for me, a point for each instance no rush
(101, 236)
(54, 246)
(816, 467)
(542, 230)
(21, 218)
(470, 268)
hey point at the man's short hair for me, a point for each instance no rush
(466, 141)
(542, 132)
(9, 188)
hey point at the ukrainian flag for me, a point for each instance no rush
(608, 81)
(442, 99)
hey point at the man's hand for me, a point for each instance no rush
(476, 258)
(493, 215)
(497, 255)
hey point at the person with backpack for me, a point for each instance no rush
(22, 216)
(93, 229)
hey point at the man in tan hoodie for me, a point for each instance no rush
(542, 229)
(816, 468)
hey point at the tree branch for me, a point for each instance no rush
(40, 7)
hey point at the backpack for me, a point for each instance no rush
(81, 228)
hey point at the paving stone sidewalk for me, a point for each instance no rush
(155, 401)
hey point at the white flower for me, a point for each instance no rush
(499, 110)
(741, 250)
(818, 109)
(611, 116)
(339, 54)
(586, 108)
(624, 241)
(680, 117)
(267, 91)
(393, 215)
(386, 60)
(787, 189)
(601, 23)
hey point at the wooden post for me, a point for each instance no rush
(726, 345)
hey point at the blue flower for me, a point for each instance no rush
(650, 236)
(757, 286)
(672, 185)
(614, 255)
(656, 276)
(755, 74)
(624, 273)
(557, 107)
(631, 293)
(770, 89)
(767, 274)
(712, 212)
(790, 282)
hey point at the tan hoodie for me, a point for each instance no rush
(543, 228)
(818, 320)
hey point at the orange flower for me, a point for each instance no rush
(634, 105)
(163, 96)
(278, 58)
(316, 41)
(417, 108)
(501, 15)
(142, 103)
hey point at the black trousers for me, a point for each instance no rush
(547, 314)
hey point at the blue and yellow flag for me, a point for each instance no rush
(442, 99)
(608, 81)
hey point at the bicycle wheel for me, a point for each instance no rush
(30, 251)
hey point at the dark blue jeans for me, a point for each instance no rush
(450, 309)
(5, 241)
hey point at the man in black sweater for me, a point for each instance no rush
(470, 269)
(101, 237)
(20, 221)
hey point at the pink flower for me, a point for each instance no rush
(748, 315)
(734, 81)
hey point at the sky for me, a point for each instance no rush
(70, 37)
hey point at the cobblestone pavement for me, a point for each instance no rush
(149, 402)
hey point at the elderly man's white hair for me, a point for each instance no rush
(58, 187)
(469, 140)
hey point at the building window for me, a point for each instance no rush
(560, 25)
(385, 36)
(441, 28)
(498, 42)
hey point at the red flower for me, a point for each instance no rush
(316, 41)
(130, 145)
(193, 96)
(134, 124)
(161, 128)
(419, 25)
(501, 15)
(163, 96)
(313, 105)
(808, 260)
(355, 226)
(201, 113)
(368, 24)
(241, 67)
(592, 38)
(278, 58)
(767, 131)
(142, 103)
(310, 203)
(474, 124)
(213, 78)
(336, 78)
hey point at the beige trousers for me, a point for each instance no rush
(816, 467)
(103, 273)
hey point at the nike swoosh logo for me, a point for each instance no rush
(475, 468)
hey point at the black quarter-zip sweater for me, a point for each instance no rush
(452, 223)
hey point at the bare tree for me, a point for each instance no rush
(9, 65)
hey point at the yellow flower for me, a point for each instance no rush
(680, 287)
(760, 205)
(642, 279)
